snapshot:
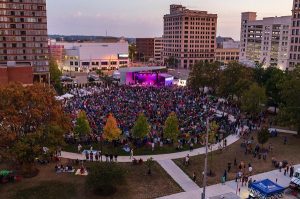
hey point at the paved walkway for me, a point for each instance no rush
(230, 187)
(178, 175)
(230, 140)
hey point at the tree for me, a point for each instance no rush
(82, 127)
(273, 79)
(171, 128)
(253, 99)
(235, 79)
(172, 62)
(204, 75)
(141, 127)
(111, 131)
(132, 52)
(30, 119)
(104, 178)
(290, 95)
(55, 75)
(213, 130)
(263, 136)
(150, 164)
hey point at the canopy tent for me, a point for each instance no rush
(67, 96)
(265, 188)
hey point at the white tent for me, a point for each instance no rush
(67, 96)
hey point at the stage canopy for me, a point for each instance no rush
(265, 188)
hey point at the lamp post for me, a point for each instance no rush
(205, 162)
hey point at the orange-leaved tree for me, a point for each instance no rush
(31, 119)
(111, 131)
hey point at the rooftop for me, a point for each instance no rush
(141, 69)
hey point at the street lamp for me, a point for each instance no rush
(205, 162)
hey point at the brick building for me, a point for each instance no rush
(189, 36)
(23, 36)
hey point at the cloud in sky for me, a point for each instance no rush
(144, 18)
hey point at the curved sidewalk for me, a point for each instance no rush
(199, 151)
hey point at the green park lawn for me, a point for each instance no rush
(289, 152)
(49, 185)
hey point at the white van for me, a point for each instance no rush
(295, 182)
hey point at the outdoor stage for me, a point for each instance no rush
(145, 76)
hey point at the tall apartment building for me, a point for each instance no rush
(264, 41)
(158, 48)
(23, 36)
(189, 36)
(295, 35)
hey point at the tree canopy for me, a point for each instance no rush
(82, 126)
(254, 99)
(204, 75)
(171, 128)
(55, 75)
(111, 131)
(141, 127)
(31, 118)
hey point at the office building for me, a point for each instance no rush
(158, 48)
(85, 57)
(295, 36)
(56, 51)
(227, 50)
(189, 36)
(265, 41)
(145, 49)
(23, 37)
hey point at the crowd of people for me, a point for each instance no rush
(125, 103)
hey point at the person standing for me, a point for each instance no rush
(153, 146)
(131, 154)
(292, 171)
(79, 147)
(194, 176)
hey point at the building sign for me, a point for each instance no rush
(123, 56)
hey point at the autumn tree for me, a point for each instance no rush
(30, 119)
(111, 131)
(171, 128)
(141, 127)
(82, 127)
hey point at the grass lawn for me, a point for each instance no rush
(289, 152)
(49, 185)
(145, 150)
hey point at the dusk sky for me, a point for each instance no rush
(144, 18)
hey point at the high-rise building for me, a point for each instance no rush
(23, 36)
(189, 36)
(158, 48)
(145, 48)
(264, 41)
(295, 35)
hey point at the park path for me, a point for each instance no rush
(182, 179)
(199, 151)
(229, 189)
